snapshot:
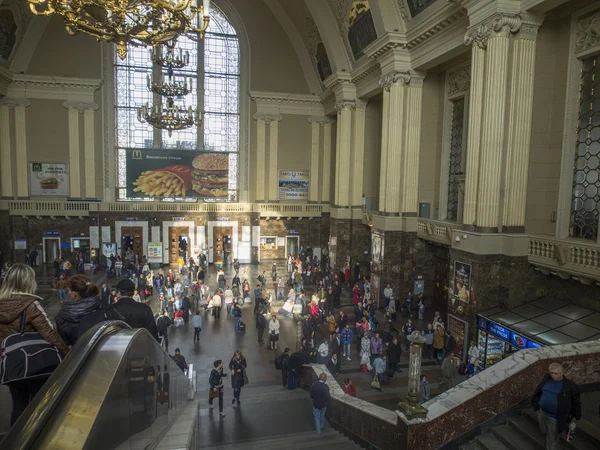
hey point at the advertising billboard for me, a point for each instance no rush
(48, 179)
(155, 173)
(155, 252)
(293, 185)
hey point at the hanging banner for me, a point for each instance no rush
(48, 179)
(153, 173)
(376, 247)
(155, 250)
(462, 281)
(293, 185)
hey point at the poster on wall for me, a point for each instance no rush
(376, 247)
(155, 173)
(109, 249)
(48, 179)
(459, 329)
(269, 243)
(155, 250)
(20, 244)
(280, 242)
(293, 185)
(462, 281)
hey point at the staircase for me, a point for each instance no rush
(523, 433)
(329, 439)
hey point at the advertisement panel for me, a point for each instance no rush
(155, 173)
(293, 185)
(48, 179)
(155, 252)
(462, 281)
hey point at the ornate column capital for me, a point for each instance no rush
(321, 120)
(81, 106)
(12, 103)
(522, 23)
(344, 104)
(268, 118)
(393, 77)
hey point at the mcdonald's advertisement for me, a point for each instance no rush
(156, 173)
(293, 185)
(48, 179)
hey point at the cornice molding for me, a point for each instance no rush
(54, 88)
(81, 106)
(321, 120)
(275, 103)
(428, 29)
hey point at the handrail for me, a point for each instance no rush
(27, 428)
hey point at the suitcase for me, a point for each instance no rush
(242, 326)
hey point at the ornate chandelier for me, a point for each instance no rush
(129, 22)
(170, 117)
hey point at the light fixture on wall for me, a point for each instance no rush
(129, 22)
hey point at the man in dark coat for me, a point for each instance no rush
(179, 359)
(136, 315)
(261, 324)
(557, 401)
(104, 294)
(394, 353)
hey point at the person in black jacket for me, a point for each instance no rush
(394, 352)
(319, 392)
(285, 365)
(179, 359)
(83, 300)
(216, 384)
(238, 367)
(162, 324)
(136, 315)
(104, 294)
(261, 324)
(557, 401)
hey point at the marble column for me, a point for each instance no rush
(519, 129)
(326, 175)
(384, 147)
(412, 408)
(343, 154)
(6, 188)
(22, 162)
(261, 143)
(474, 130)
(358, 153)
(273, 195)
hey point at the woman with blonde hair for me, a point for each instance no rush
(19, 303)
(83, 300)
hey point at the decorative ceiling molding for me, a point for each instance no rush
(588, 32)
(54, 88)
(418, 36)
(275, 103)
(341, 8)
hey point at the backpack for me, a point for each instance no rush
(27, 355)
(278, 364)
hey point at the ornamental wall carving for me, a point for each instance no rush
(588, 32)
(459, 81)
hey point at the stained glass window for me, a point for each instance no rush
(214, 68)
(585, 200)
(456, 157)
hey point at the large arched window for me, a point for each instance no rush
(214, 68)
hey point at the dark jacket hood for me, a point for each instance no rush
(11, 308)
(73, 311)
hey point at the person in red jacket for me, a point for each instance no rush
(348, 387)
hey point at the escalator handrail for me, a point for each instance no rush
(27, 428)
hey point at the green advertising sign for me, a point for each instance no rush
(155, 173)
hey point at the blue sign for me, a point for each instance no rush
(293, 232)
(482, 323)
(499, 331)
(130, 219)
(518, 341)
(532, 344)
(52, 233)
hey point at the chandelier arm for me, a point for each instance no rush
(33, 7)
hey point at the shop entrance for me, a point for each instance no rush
(51, 249)
(179, 244)
(222, 245)
(132, 242)
(82, 245)
(292, 244)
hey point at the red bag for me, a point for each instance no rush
(363, 368)
(178, 314)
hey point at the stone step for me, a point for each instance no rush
(528, 429)
(470, 446)
(489, 442)
(513, 439)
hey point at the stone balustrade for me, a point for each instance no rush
(64, 208)
(437, 231)
(566, 257)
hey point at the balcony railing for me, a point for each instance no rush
(436, 231)
(62, 208)
(573, 257)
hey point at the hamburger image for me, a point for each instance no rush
(49, 183)
(210, 174)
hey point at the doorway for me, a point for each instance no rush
(51, 249)
(179, 244)
(82, 245)
(292, 244)
(222, 245)
(132, 243)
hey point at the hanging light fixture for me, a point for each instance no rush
(169, 117)
(129, 22)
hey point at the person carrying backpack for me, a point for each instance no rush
(237, 314)
(282, 363)
(162, 324)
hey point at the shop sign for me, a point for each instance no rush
(532, 344)
(52, 233)
(294, 232)
(20, 244)
(130, 219)
(518, 341)
(223, 219)
(178, 219)
(482, 323)
(499, 331)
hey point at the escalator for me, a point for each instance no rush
(116, 389)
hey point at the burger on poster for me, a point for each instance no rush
(210, 175)
(49, 183)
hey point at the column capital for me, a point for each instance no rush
(345, 104)
(321, 120)
(12, 103)
(268, 118)
(81, 106)
(396, 77)
(522, 23)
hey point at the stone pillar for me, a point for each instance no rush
(313, 194)
(74, 161)
(326, 176)
(412, 408)
(273, 195)
(89, 150)
(6, 188)
(344, 108)
(358, 153)
(384, 147)
(261, 143)
(519, 129)
(22, 162)
(474, 138)
(395, 127)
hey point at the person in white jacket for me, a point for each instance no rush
(323, 352)
(228, 297)
(215, 304)
(273, 332)
(197, 324)
(473, 355)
